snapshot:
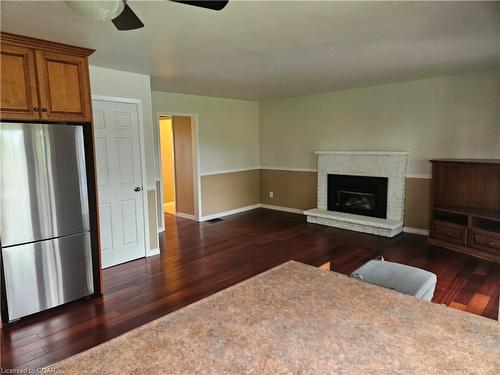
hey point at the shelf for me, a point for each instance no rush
(484, 213)
(465, 209)
(451, 217)
(486, 225)
(464, 249)
(467, 161)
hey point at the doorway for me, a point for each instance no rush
(178, 160)
(167, 164)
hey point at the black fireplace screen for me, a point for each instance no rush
(359, 195)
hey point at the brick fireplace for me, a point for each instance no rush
(361, 191)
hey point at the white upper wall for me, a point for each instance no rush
(456, 116)
(117, 83)
(228, 129)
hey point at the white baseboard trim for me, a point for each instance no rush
(252, 207)
(422, 232)
(280, 208)
(153, 252)
(185, 216)
(230, 212)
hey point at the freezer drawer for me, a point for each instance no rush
(45, 274)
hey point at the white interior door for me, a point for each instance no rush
(119, 181)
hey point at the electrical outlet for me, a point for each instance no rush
(271, 194)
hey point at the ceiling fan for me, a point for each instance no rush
(122, 16)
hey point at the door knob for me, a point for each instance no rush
(137, 188)
(44, 109)
(36, 109)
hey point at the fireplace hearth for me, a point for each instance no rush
(360, 195)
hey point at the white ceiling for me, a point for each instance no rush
(261, 50)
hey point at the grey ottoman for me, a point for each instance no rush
(405, 279)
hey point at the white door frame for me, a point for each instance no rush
(145, 188)
(196, 165)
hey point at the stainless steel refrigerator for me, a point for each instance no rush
(44, 217)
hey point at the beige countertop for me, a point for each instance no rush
(296, 319)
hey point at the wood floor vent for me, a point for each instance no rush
(216, 220)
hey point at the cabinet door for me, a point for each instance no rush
(63, 86)
(19, 99)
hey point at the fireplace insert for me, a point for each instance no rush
(359, 195)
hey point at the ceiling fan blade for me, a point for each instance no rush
(127, 20)
(214, 4)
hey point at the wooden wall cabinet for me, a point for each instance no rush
(19, 97)
(44, 81)
(465, 206)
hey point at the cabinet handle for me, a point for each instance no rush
(44, 109)
(36, 109)
(492, 244)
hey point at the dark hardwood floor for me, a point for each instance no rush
(198, 259)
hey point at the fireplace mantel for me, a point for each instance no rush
(390, 164)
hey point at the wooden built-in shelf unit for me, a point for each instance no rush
(465, 206)
(48, 82)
